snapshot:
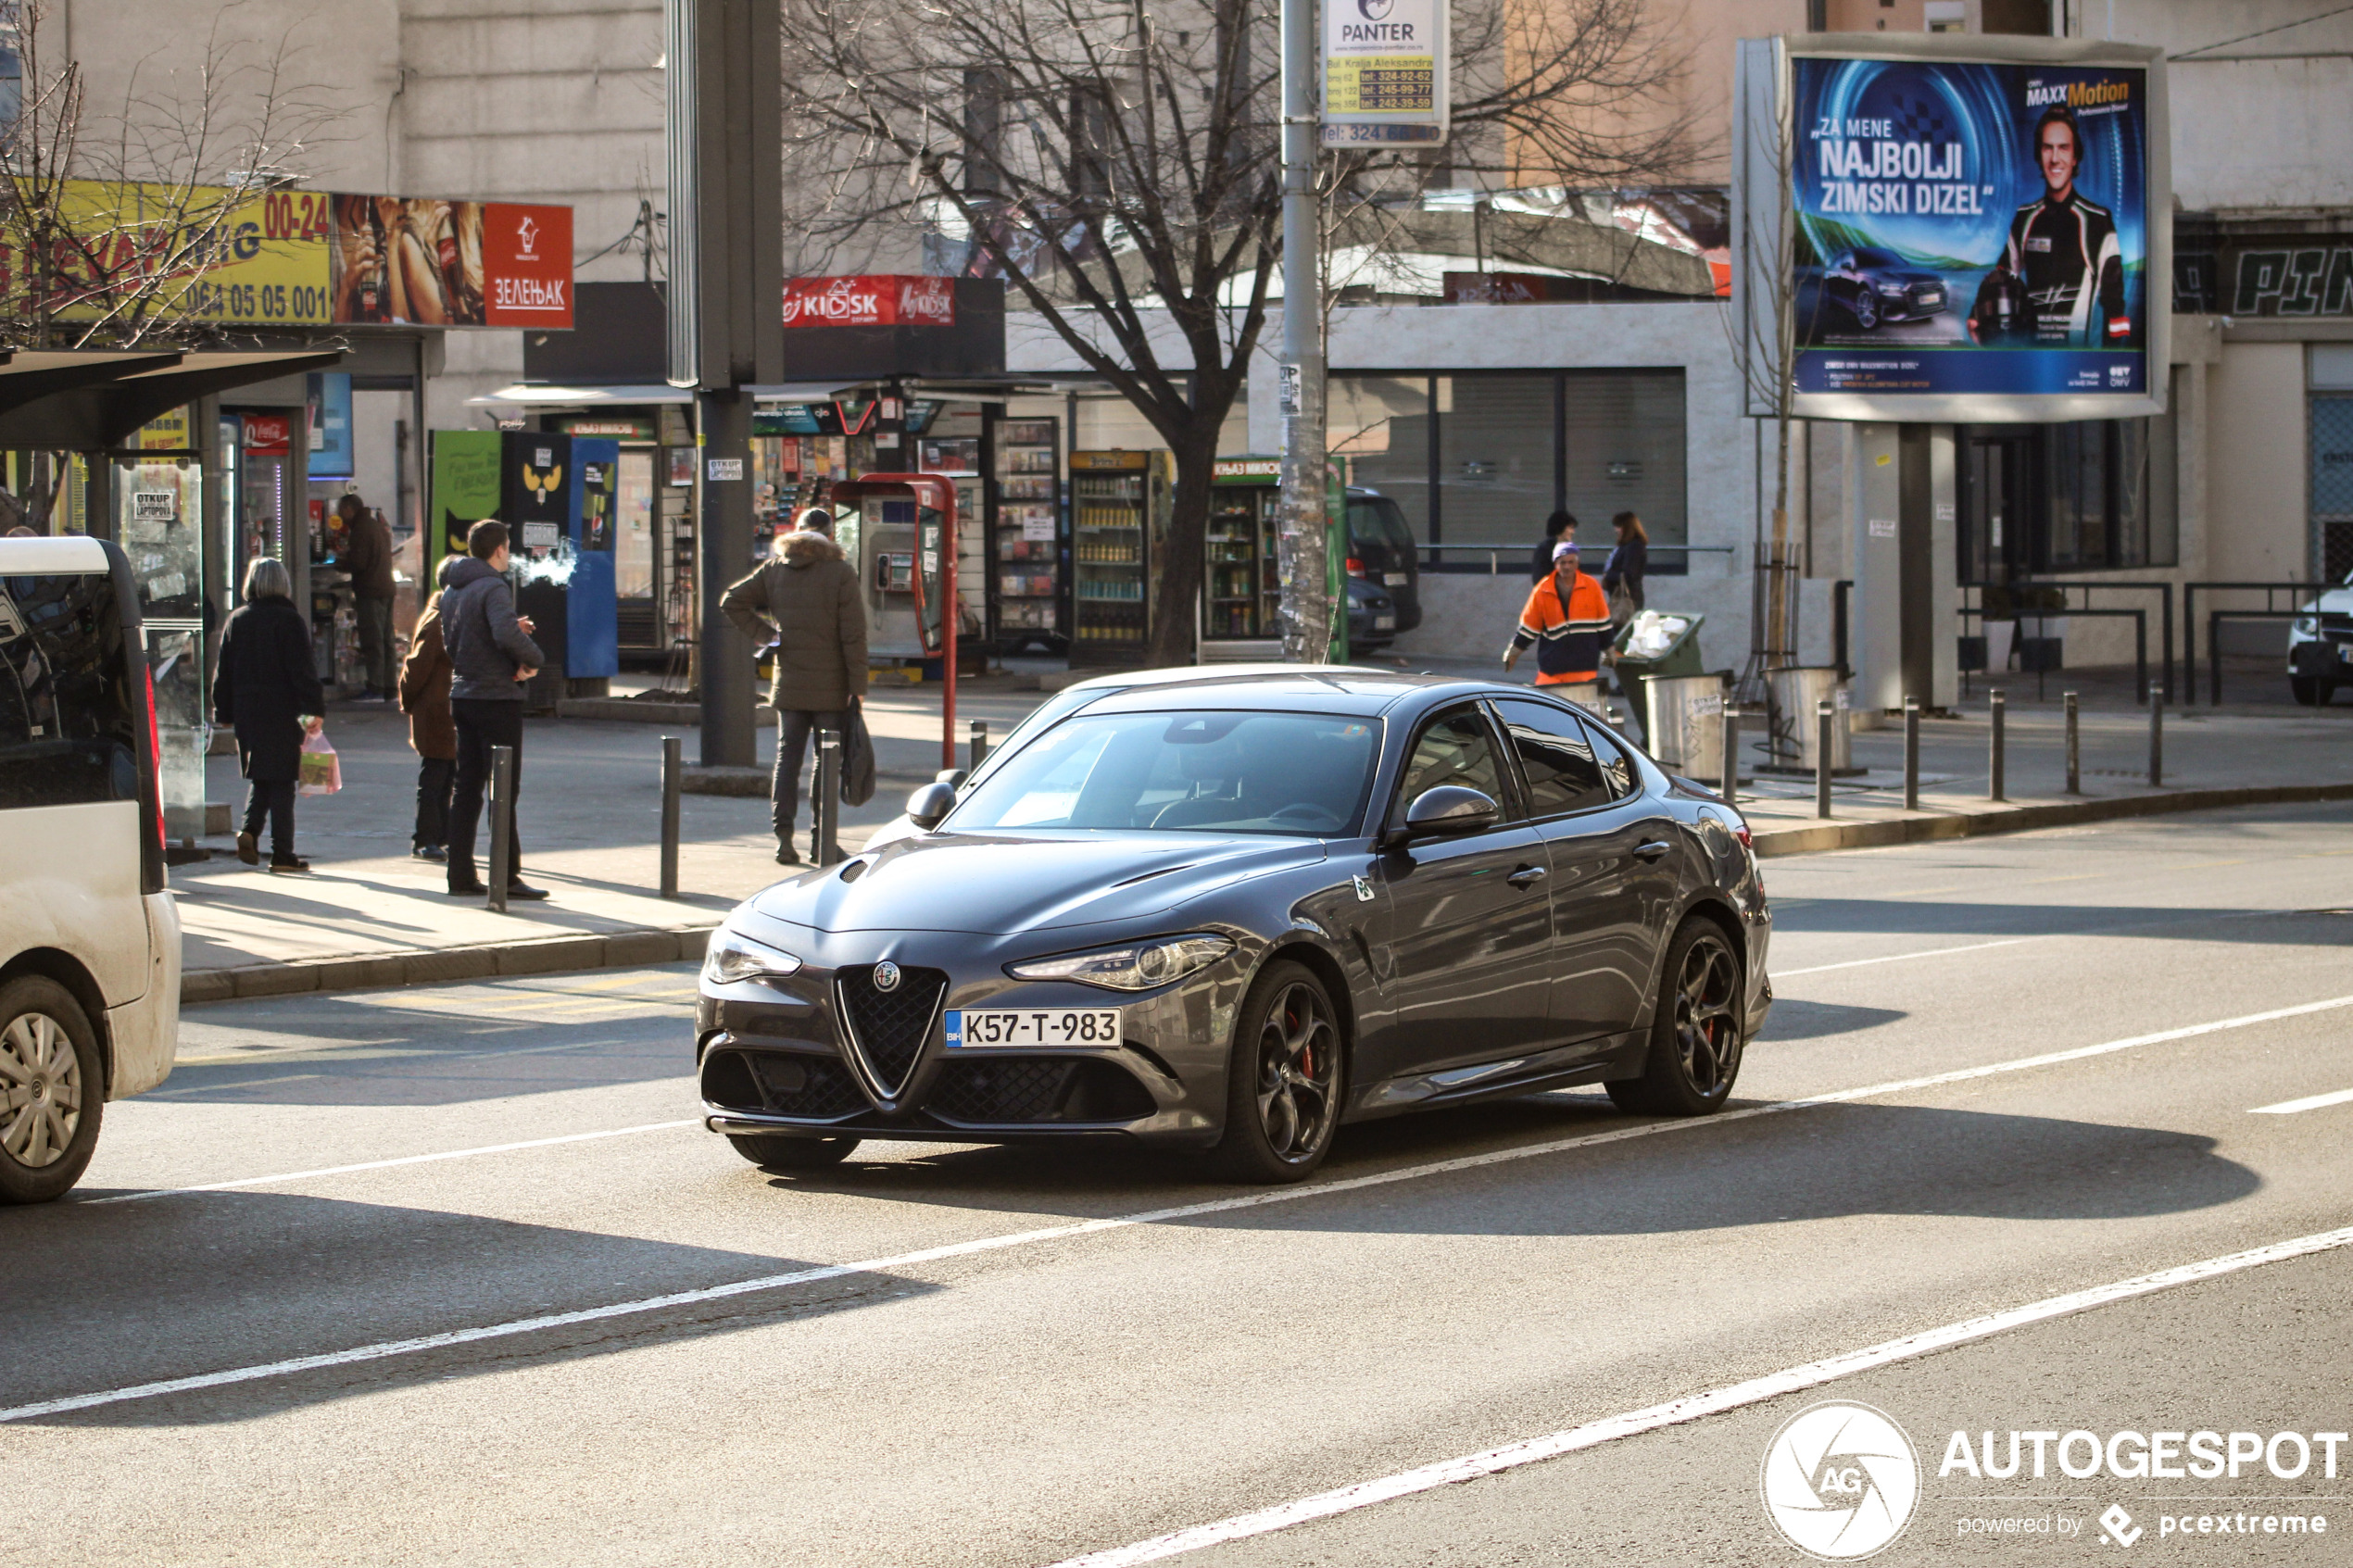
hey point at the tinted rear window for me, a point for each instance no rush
(66, 735)
(1377, 530)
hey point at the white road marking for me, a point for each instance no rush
(1930, 953)
(388, 1164)
(385, 1348)
(1791, 1380)
(2311, 1102)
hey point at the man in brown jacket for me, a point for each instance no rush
(366, 557)
(433, 732)
(806, 601)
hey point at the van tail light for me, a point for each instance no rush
(1356, 567)
(155, 760)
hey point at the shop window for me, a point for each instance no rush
(1381, 425)
(2331, 482)
(2094, 496)
(1623, 445)
(1495, 459)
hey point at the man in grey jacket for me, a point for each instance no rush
(806, 600)
(491, 655)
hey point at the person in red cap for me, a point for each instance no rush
(1567, 619)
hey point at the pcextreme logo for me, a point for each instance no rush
(1840, 1480)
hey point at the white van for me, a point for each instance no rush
(88, 938)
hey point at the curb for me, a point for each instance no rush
(541, 955)
(752, 783)
(687, 715)
(1815, 838)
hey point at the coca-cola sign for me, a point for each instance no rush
(876, 300)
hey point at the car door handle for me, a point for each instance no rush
(1527, 876)
(1652, 850)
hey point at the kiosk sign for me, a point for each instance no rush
(1968, 238)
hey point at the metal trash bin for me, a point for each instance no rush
(1684, 724)
(1792, 694)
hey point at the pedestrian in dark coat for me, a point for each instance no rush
(267, 689)
(366, 555)
(491, 655)
(1561, 524)
(433, 732)
(806, 600)
(1622, 578)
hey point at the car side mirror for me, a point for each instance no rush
(928, 806)
(952, 777)
(1445, 811)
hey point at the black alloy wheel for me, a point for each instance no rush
(1283, 1083)
(1865, 308)
(1696, 1033)
(785, 1152)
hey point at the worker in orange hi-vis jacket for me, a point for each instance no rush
(1567, 619)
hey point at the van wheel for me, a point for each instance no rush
(52, 1090)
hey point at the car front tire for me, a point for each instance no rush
(1283, 1080)
(52, 1090)
(1866, 309)
(1696, 1031)
(790, 1153)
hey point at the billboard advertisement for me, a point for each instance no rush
(295, 259)
(875, 300)
(1968, 238)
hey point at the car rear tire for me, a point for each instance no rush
(1696, 1032)
(52, 1090)
(792, 1154)
(1283, 1081)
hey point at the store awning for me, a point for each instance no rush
(100, 414)
(524, 395)
(30, 373)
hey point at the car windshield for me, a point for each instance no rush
(1288, 773)
(1877, 258)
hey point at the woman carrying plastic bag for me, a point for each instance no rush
(266, 689)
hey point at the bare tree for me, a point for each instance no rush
(110, 221)
(1117, 164)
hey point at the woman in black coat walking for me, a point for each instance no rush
(1622, 577)
(266, 689)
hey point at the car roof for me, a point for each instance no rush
(1319, 689)
(32, 557)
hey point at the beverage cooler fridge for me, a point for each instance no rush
(1241, 582)
(1119, 516)
(1029, 545)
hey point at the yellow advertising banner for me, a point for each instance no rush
(259, 261)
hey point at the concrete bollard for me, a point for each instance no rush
(672, 774)
(1824, 716)
(980, 745)
(502, 824)
(1995, 789)
(2074, 748)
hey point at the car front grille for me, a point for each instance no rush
(887, 1028)
(2337, 628)
(780, 1084)
(999, 1090)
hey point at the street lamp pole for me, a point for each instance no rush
(1307, 604)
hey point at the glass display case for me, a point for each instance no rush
(1241, 582)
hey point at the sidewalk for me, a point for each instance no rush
(368, 915)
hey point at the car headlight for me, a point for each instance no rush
(1134, 966)
(734, 958)
(1893, 290)
(2307, 627)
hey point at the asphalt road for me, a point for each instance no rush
(939, 1360)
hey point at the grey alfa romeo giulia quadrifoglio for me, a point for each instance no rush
(1232, 911)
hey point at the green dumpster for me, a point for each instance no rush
(1669, 644)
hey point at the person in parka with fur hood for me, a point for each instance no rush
(806, 602)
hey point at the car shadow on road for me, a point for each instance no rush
(182, 1288)
(2316, 928)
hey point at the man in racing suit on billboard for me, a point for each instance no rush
(2060, 279)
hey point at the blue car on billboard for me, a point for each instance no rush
(1874, 285)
